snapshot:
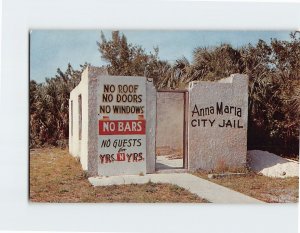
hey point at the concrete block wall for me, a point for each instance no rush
(87, 148)
(209, 146)
(218, 140)
(170, 107)
(82, 148)
(110, 161)
(95, 74)
(150, 126)
(79, 147)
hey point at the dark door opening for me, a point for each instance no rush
(170, 130)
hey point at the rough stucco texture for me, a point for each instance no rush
(126, 152)
(218, 137)
(151, 126)
(77, 147)
(94, 76)
(217, 123)
(87, 149)
(170, 116)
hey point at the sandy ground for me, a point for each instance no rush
(163, 162)
(271, 165)
(261, 162)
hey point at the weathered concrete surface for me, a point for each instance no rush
(217, 124)
(95, 74)
(87, 148)
(170, 120)
(77, 147)
(272, 165)
(124, 141)
(150, 126)
(208, 148)
(205, 189)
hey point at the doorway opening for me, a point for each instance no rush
(171, 131)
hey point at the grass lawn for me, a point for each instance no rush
(56, 176)
(272, 190)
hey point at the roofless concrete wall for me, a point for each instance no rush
(112, 123)
(111, 129)
(218, 117)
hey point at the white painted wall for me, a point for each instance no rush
(79, 148)
(87, 148)
(127, 166)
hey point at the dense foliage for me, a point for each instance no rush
(274, 86)
(49, 107)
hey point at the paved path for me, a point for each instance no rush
(205, 189)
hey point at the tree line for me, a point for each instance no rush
(274, 86)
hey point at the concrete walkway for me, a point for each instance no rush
(205, 189)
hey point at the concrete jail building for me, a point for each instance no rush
(123, 125)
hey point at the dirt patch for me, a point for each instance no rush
(267, 189)
(56, 176)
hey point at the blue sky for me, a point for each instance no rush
(50, 49)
